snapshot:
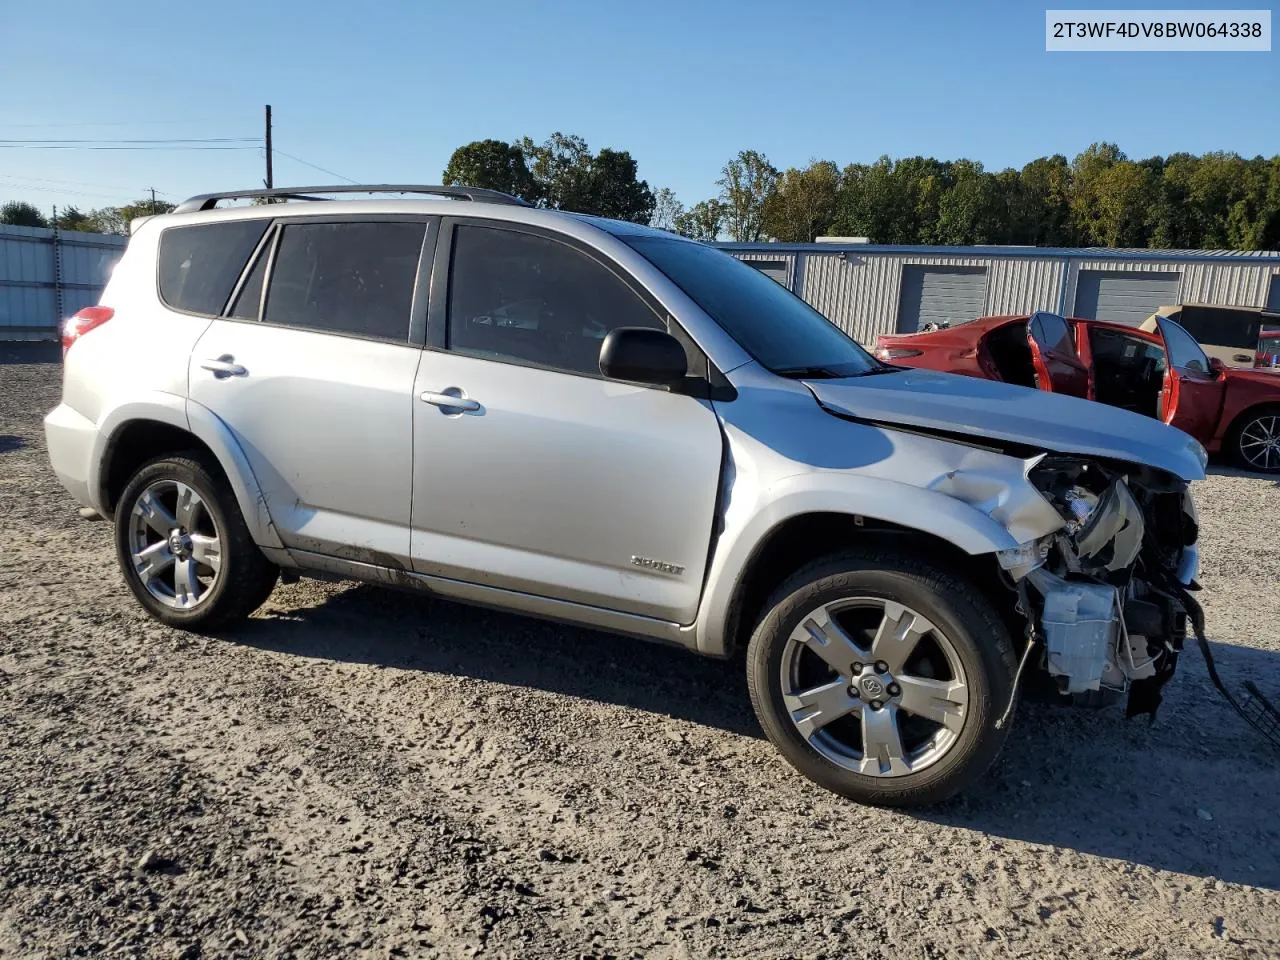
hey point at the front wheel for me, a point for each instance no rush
(184, 548)
(880, 677)
(1255, 441)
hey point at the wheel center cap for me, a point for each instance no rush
(871, 687)
(179, 544)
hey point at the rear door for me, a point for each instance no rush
(532, 471)
(1193, 392)
(1053, 352)
(311, 367)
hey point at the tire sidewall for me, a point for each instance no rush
(1237, 435)
(198, 479)
(988, 674)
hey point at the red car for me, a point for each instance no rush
(1269, 349)
(1157, 369)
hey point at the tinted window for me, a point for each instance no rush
(1184, 352)
(516, 296)
(249, 299)
(200, 264)
(1221, 326)
(1052, 333)
(770, 322)
(354, 278)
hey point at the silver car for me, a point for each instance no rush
(609, 425)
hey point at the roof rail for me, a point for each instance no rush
(207, 201)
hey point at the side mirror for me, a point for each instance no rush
(1216, 366)
(643, 355)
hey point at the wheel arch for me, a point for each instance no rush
(953, 533)
(137, 432)
(1231, 437)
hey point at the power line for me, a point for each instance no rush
(100, 123)
(77, 183)
(313, 166)
(28, 146)
(157, 140)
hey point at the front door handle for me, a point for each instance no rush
(451, 400)
(224, 366)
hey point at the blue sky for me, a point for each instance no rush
(385, 92)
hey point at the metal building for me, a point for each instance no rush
(869, 289)
(45, 276)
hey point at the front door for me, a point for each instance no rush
(1193, 391)
(534, 473)
(1052, 351)
(315, 381)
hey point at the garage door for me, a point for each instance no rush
(1124, 296)
(951, 294)
(777, 269)
(1273, 296)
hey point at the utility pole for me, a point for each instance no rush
(269, 180)
(153, 197)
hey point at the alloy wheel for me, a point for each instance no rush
(174, 544)
(874, 686)
(1260, 442)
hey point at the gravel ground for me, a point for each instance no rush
(362, 773)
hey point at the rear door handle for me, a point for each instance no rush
(223, 366)
(449, 401)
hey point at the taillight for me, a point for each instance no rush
(85, 320)
(897, 353)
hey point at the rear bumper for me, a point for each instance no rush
(70, 437)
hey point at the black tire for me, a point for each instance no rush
(245, 577)
(976, 634)
(1236, 436)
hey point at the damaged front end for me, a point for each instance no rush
(1103, 591)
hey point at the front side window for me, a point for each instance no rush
(200, 263)
(1184, 352)
(349, 278)
(778, 329)
(524, 298)
(1052, 333)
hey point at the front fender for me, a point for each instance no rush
(874, 498)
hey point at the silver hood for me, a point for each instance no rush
(951, 403)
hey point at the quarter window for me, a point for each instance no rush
(349, 278)
(520, 297)
(199, 264)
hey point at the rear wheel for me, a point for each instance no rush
(184, 548)
(1255, 440)
(880, 676)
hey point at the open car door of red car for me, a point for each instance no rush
(1193, 390)
(1053, 352)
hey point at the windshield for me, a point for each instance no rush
(776, 327)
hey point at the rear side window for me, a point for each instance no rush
(200, 264)
(350, 278)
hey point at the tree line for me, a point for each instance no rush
(1099, 198)
(103, 220)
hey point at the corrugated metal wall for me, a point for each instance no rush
(41, 284)
(860, 291)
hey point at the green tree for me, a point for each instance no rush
(117, 219)
(19, 213)
(614, 190)
(1041, 205)
(803, 204)
(666, 210)
(570, 177)
(703, 221)
(745, 183)
(492, 165)
(72, 219)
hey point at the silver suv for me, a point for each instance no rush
(609, 425)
